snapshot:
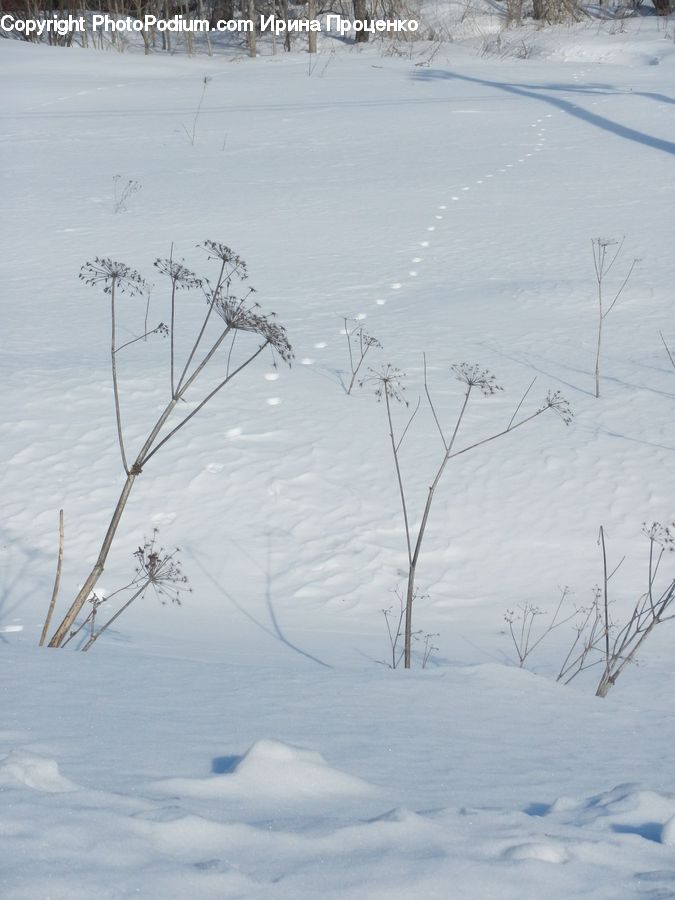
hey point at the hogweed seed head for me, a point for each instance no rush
(387, 382)
(160, 569)
(182, 278)
(473, 376)
(111, 273)
(559, 405)
(216, 250)
(659, 534)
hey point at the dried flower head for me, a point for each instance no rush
(227, 255)
(558, 404)
(659, 534)
(112, 275)
(364, 341)
(474, 376)
(242, 316)
(162, 570)
(182, 278)
(387, 383)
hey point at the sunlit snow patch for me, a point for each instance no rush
(272, 769)
(37, 772)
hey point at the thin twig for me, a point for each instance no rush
(204, 402)
(57, 583)
(522, 400)
(670, 355)
(113, 353)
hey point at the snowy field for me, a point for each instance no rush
(252, 742)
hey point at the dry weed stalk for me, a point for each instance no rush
(388, 387)
(231, 314)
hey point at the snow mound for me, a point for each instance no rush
(273, 769)
(625, 809)
(37, 772)
(545, 852)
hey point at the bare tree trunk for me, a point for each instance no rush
(311, 37)
(360, 15)
(251, 35)
(287, 37)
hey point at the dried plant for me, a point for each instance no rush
(394, 622)
(182, 279)
(387, 384)
(155, 568)
(598, 639)
(668, 350)
(122, 193)
(428, 649)
(650, 610)
(359, 344)
(192, 132)
(233, 315)
(604, 258)
(521, 621)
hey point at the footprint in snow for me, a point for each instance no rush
(307, 361)
(320, 345)
(271, 376)
(273, 401)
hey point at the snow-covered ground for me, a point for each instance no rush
(251, 743)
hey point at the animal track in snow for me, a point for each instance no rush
(273, 401)
(271, 376)
(320, 345)
(307, 361)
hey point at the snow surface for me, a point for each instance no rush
(251, 743)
